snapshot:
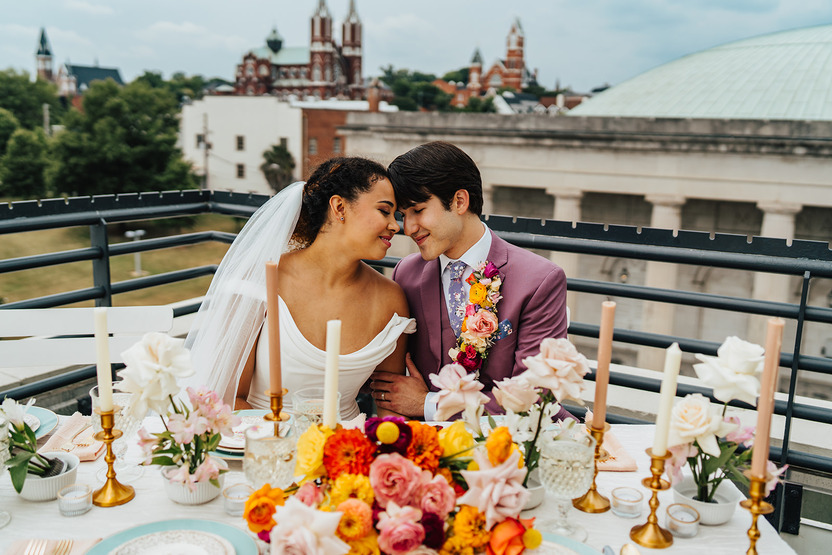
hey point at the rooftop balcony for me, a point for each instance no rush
(801, 437)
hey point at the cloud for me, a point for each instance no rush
(88, 7)
(67, 41)
(191, 34)
(13, 30)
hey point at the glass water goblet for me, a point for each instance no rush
(308, 407)
(566, 468)
(122, 420)
(269, 459)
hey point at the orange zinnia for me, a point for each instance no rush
(260, 508)
(424, 449)
(348, 451)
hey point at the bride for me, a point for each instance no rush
(319, 232)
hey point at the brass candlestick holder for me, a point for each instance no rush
(756, 506)
(113, 492)
(592, 501)
(650, 534)
(276, 405)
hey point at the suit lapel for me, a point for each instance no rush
(432, 306)
(498, 253)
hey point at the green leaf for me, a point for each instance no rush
(18, 475)
(713, 464)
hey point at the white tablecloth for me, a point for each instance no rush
(151, 504)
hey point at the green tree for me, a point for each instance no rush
(182, 86)
(22, 166)
(8, 125)
(25, 99)
(458, 76)
(278, 167)
(124, 140)
(480, 104)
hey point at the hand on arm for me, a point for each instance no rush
(400, 394)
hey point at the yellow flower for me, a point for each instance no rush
(478, 293)
(368, 545)
(456, 546)
(347, 486)
(456, 441)
(469, 527)
(310, 463)
(522, 461)
(498, 445)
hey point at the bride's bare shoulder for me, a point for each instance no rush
(389, 292)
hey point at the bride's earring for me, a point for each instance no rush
(342, 218)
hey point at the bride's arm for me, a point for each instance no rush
(394, 364)
(241, 402)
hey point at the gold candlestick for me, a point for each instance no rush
(756, 506)
(592, 501)
(113, 492)
(276, 405)
(650, 534)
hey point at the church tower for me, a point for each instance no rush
(515, 64)
(44, 58)
(351, 50)
(322, 52)
(475, 73)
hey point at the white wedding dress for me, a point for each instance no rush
(303, 364)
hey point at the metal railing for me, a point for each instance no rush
(807, 259)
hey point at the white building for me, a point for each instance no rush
(238, 130)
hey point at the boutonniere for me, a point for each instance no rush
(480, 328)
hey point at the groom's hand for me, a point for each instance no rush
(402, 394)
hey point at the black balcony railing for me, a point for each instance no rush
(808, 259)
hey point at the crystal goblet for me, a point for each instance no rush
(566, 468)
(122, 420)
(269, 459)
(308, 407)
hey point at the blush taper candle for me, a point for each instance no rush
(602, 374)
(273, 316)
(765, 404)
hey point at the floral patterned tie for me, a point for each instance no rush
(456, 292)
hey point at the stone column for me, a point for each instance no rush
(658, 317)
(778, 221)
(567, 208)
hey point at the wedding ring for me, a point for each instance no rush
(382, 396)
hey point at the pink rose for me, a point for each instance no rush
(469, 359)
(482, 324)
(394, 479)
(490, 270)
(741, 435)
(458, 390)
(309, 494)
(559, 368)
(497, 491)
(400, 529)
(515, 394)
(435, 495)
(470, 310)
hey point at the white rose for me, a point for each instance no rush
(515, 394)
(559, 368)
(692, 420)
(733, 372)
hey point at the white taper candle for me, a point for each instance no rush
(672, 362)
(103, 369)
(333, 350)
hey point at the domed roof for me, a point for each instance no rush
(785, 75)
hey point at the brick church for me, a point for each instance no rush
(324, 69)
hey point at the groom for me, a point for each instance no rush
(439, 192)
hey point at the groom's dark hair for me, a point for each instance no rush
(436, 168)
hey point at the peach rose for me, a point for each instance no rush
(482, 324)
(394, 478)
(559, 368)
(692, 420)
(515, 394)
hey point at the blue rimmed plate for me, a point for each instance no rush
(243, 543)
(569, 543)
(48, 420)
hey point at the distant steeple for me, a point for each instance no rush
(352, 15)
(274, 41)
(43, 58)
(477, 58)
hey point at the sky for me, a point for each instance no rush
(578, 43)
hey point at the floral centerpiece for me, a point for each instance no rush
(18, 451)
(191, 429)
(530, 399)
(394, 486)
(712, 443)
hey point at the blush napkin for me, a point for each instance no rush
(75, 436)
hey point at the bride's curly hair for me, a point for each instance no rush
(347, 177)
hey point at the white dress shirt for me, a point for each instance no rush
(473, 257)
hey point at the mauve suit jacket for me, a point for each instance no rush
(534, 301)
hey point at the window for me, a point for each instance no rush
(241, 142)
(284, 142)
(336, 145)
(200, 138)
(241, 170)
(313, 146)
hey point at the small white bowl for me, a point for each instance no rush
(203, 492)
(36, 488)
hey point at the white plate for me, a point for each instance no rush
(48, 420)
(237, 442)
(176, 542)
(242, 541)
(559, 545)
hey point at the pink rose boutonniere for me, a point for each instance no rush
(480, 327)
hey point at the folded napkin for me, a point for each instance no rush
(78, 546)
(75, 436)
(619, 460)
